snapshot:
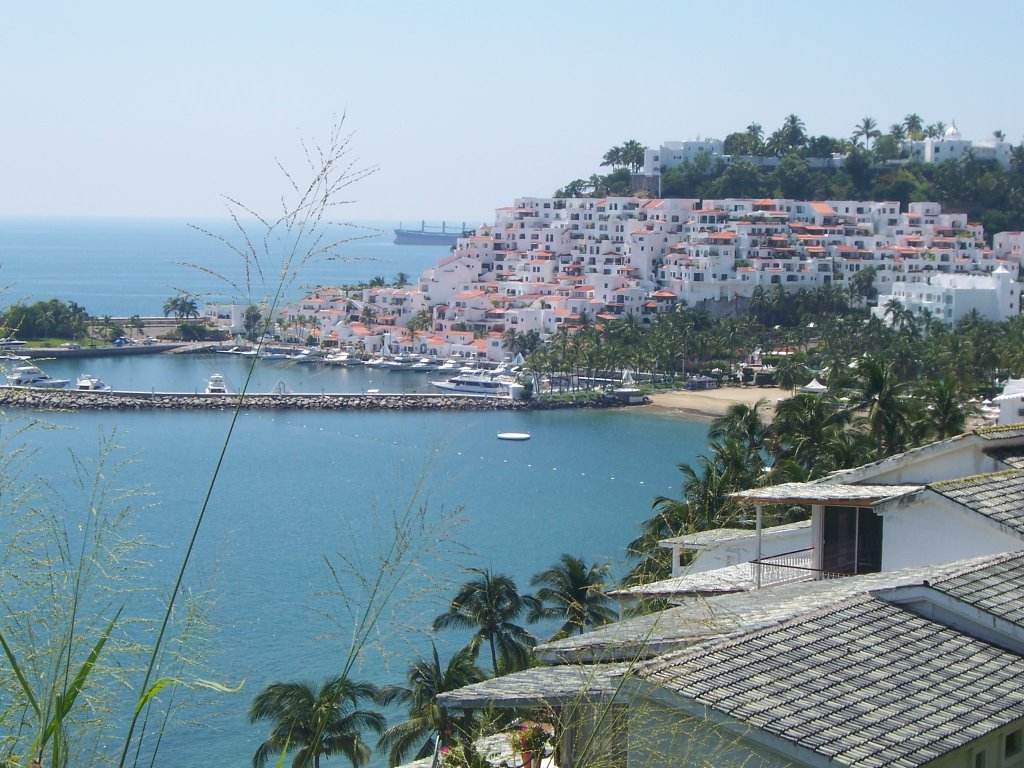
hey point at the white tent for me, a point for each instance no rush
(814, 387)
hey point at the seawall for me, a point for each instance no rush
(70, 400)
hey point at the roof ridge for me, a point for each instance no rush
(993, 560)
(973, 478)
(996, 428)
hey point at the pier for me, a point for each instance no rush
(73, 400)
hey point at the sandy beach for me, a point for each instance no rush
(712, 403)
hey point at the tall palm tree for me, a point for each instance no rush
(886, 410)
(866, 129)
(914, 125)
(317, 722)
(426, 679)
(491, 604)
(571, 591)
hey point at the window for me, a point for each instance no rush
(1012, 744)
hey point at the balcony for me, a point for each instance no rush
(788, 568)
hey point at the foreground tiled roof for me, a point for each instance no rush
(997, 588)
(539, 686)
(1000, 432)
(998, 496)
(1011, 456)
(698, 619)
(864, 683)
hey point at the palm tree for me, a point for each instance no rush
(427, 679)
(317, 722)
(573, 592)
(886, 410)
(866, 129)
(914, 125)
(377, 282)
(401, 279)
(491, 604)
(793, 132)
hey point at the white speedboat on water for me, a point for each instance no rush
(476, 384)
(88, 383)
(28, 375)
(216, 386)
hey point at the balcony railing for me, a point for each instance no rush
(787, 568)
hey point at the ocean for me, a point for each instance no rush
(304, 495)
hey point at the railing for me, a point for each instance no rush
(787, 568)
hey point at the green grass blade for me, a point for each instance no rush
(66, 700)
(20, 675)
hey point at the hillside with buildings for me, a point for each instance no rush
(545, 263)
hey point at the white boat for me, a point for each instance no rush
(424, 365)
(216, 386)
(476, 384)
(89, 383)
(513, 435)
(28, 375)
(341, 358)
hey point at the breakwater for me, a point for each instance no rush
(65, 400)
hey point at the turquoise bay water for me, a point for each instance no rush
(300, 487)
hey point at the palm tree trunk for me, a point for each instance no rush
(494, 655)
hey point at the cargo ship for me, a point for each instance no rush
(429, 235)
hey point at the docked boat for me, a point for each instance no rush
(424, 365)
(476, 384)
(29, 375)
(89, 383)
(216, 386)
(341, 358)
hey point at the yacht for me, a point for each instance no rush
(342, 358)
(476, 384)
(89, 383)
(216, 385)
(28, 375)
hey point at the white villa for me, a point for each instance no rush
(891, 634)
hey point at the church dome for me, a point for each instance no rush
(951, 134)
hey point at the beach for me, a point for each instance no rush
(712, 403)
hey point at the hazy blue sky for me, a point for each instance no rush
(157, 109)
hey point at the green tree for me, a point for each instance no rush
(490, 604)
(401, 279)
(572, 592)
(252, 319)
(426, 679)
(866, 130)
(317, 722)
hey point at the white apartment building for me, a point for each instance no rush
(952, 146)
(951, 297)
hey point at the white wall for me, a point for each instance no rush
(933, 530)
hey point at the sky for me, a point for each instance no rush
(159, 109)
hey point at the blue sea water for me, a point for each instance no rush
(301, 490)
(124, 267)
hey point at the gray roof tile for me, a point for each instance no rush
(884, 704)
(998, 496)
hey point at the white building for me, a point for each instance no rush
(952, 146)
(951, 297)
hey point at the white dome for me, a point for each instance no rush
(951, 134)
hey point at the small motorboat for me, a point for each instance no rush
(518, 436)
(89, 383)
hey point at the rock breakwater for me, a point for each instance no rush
(64, 400)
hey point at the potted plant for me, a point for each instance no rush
(527, 742)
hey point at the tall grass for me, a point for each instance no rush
(79, 660)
